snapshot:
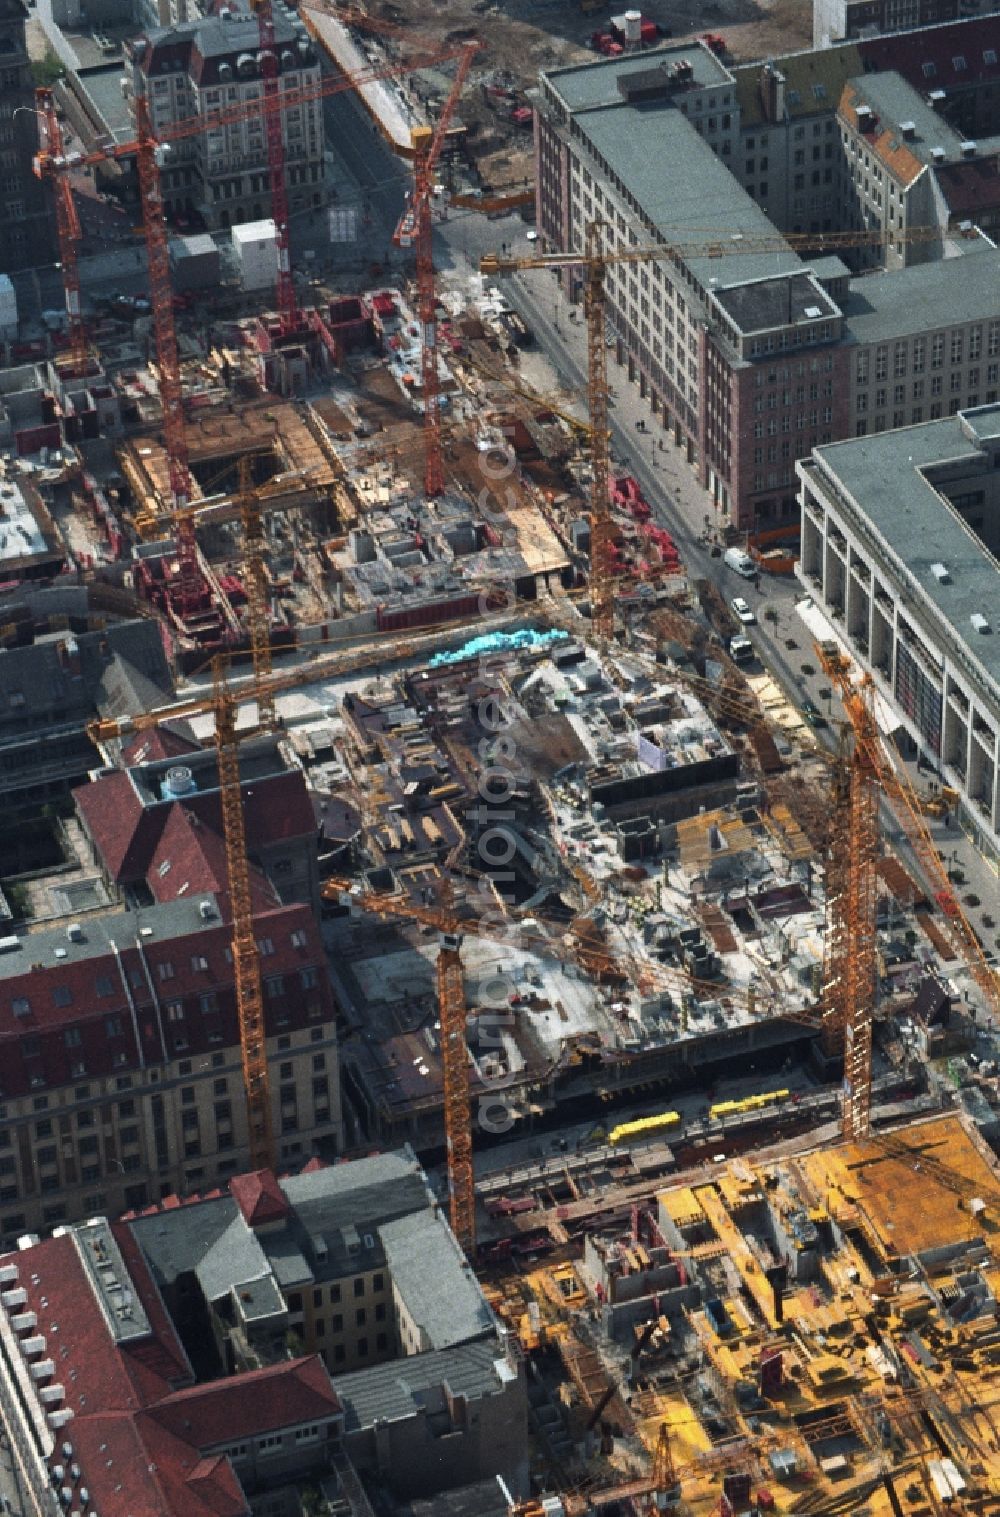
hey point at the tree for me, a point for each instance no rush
(48, 70)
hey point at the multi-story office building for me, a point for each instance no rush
(205, 66)
(27, 234)
(906, 368)
(745, 348)
(121, 1072)
(900, 539)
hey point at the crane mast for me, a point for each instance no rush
(255, 579)
(416, 229)
(860, 850)
(602, 606)
(288, 311)
(246, 956)
(455, 1075)
(49, 160)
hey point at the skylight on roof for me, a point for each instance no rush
(959, 64)
(819, 90)
(930, 70)
(793, 97)
(990, 56)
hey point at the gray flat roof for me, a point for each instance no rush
(403, 1387)
(53, 947)
(702, 204)
(887, 476)
(582, 86)
(422, 1255)
(770, 303)
(894, 101)
(175, 1242)
(104, 86)
(899, 304)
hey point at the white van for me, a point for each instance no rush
(735, 558)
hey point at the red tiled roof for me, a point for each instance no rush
(906, 53)
(883, 142)
(190, 859)
(164, 742)
(971, 188)
(145, 1447)
(126, 833)
(248, 1405)
(259, 1197)
(40, 1000)
(275, 809)
(123, 832)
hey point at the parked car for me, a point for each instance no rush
(742, 610)
(813, 714)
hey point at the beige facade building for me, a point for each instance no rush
(212, 68)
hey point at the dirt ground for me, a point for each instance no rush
(522, 37)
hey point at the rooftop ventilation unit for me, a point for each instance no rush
(908, 129)
(940, 573)
(75, 932)
(937, 96)
(968, 150)
(980, 622)
(813, 313)
(938, 154)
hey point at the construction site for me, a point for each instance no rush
(670, 987)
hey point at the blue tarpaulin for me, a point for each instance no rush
(499, 642)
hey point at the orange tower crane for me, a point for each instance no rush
(594, 260)
(416, 229)
(255, 581)
(454, 1049)
(52, 155)
(288, 309)
(872, 775)
(836, 936)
